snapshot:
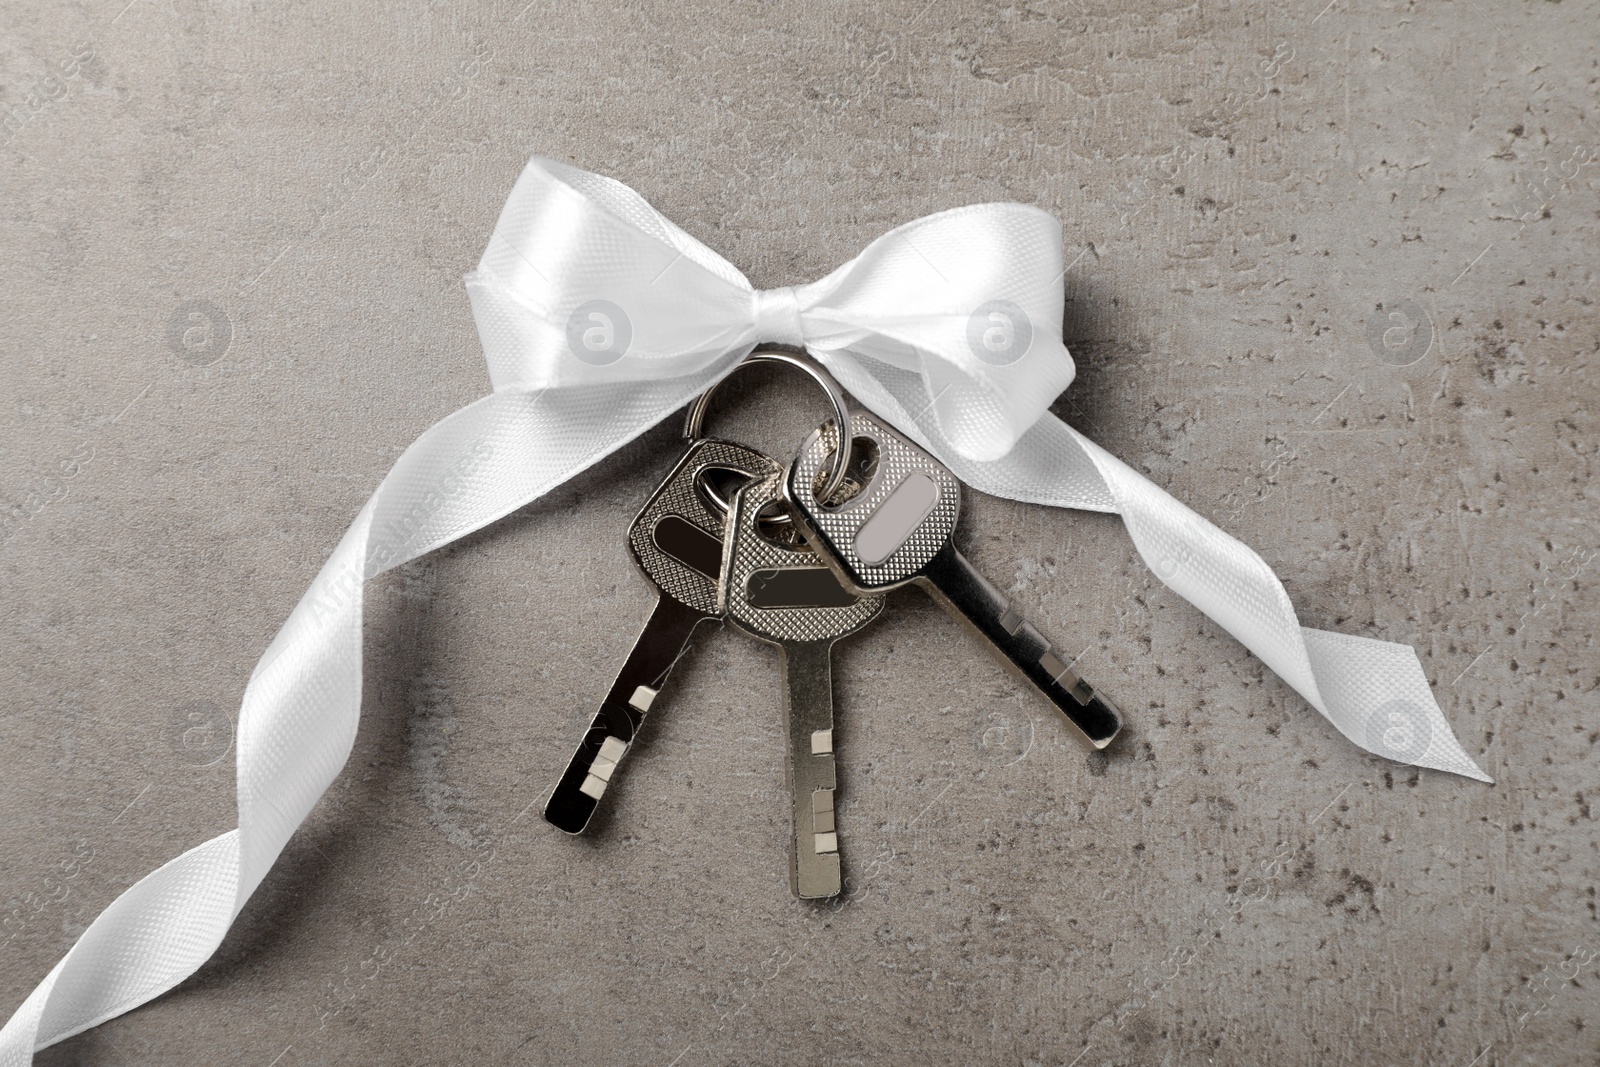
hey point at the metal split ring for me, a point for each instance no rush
(695, 420)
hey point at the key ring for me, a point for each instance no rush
(696, 417)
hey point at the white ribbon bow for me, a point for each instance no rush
(599, 318)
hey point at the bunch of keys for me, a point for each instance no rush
(800, 556)
(677, 542)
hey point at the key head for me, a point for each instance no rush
(778, 592)
(887, 532)
(676, 540)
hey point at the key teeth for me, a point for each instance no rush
(1062, 674)
(603, 766)
(824, 834)
(1053, 665)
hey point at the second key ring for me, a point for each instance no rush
(695, 419)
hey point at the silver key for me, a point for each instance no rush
(676, 541)
(788, 597)
(896, 529)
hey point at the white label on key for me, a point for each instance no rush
(821, 742)
(897, 518)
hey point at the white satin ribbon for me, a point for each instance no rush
(599, 318)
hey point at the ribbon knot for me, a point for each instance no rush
(777, 316)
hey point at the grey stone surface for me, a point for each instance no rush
(234, 236)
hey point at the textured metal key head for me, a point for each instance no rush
(882, 536)
(677, 538)
(781, 593)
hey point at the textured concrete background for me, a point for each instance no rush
(234, 236)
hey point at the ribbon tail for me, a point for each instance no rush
(303, 702)
(153, 936)
(1373, 691)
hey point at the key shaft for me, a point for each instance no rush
(612, 731)
(958, 587)
(676, 540)
(810, 773)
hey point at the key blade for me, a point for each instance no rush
(978, 605)
(814, 872)
(666, 632)
(676, 540)
(897, 530)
